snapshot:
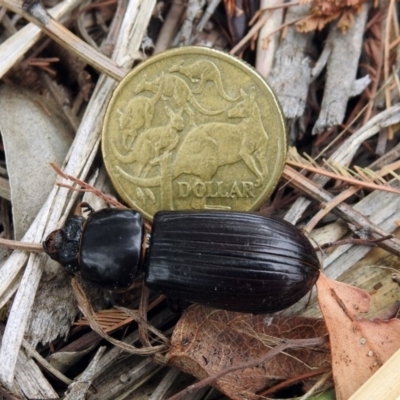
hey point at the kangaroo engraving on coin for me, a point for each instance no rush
(194, 128)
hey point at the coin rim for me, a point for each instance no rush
(184, 51)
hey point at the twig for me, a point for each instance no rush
(386, 61)
(85, 187)
(80, 24)
(289, 344)
(79, 387)
(272, 8)
(363, 242)
(23, 246)
(108, 46)
(342, 210)
(256, 28)
(267, 45)
(326, 208)
(297, 379)
(207, 14)
(169, 26)
(346, 151)
(18, 44)
(34, 12)
(44, 363)
(317, 385)
(3, 11)
(59, 97)
(375, 81)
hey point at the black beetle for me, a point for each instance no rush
(228, 260)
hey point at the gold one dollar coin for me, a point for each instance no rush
(194, 128)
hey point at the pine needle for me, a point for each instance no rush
(361, 177)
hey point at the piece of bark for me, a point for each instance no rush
(124, 378)
(165, 384)
(78, 389)
(291, 73)
(113, 370)
(342, 65)
(55, 307)
(185, 35)
(267, 43)
(30, 382)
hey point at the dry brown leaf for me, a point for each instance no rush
(359, 346)
(324, 11)
(206, 341)
(34, 133)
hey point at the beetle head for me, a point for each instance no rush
(62, 245)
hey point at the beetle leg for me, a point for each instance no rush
(86, 207)
(177, 305)
(71, 269)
